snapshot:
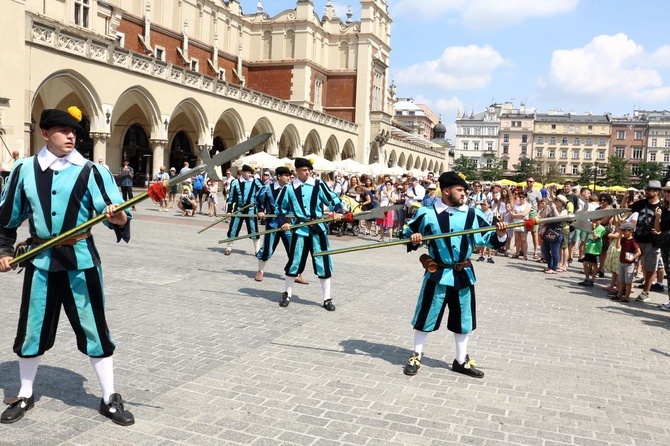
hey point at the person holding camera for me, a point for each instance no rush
(187, 202)
(126, 175)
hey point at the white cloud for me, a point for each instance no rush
(481, 14)
(607, 67)
(459, 68)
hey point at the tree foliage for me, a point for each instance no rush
(617, 172)
(495, 172)
(467, 167)
(649, 171)
(524, 169)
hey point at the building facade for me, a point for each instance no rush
(629, 141)
(657, 144)
(161, 80)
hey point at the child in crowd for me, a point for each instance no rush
(630, 252)
(488, 214)
(612, 263)
(592, 250)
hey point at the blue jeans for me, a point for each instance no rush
(551, 251)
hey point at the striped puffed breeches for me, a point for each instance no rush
(433, 300)
(301, 247)
(80, 293)
(236, 225)
(270, 242)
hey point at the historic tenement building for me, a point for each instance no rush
(160, 80)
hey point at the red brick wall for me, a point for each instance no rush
(131, 31)
(340, 91)
(273, 81)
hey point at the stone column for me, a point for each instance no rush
(158, 146)
(99, 146)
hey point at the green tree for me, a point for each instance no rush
(548, 172)
(467, 167)
(586, 175)
(649, 171)
(617, 172)
(495, 172)
(524, 169)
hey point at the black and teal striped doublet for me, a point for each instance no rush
(447, 287)
(55, 201)
(306, 202)
(243, 193)
(266, 201)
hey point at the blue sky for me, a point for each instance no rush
(577, 55)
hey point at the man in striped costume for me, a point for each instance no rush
(266, 202)
(57, 190)
(452, 285)
(305, 198)
(242, 193)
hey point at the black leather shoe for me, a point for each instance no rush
(413, 365)
(16, 408)
(285, 300)
(328, 305)
(115, 411)
(467, 368)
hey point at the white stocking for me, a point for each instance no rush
(261, 265)
(325, 287)
(104, 370)
(461, 346)
(27, 371)
(288, 285)
(419, 339)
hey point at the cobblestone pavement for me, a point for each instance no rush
(205, 356)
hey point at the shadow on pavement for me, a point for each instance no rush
(275, 296)
(53, 382)
(390, 353)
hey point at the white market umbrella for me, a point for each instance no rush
(395, 170)
(320, 163)
(260, 159)
(375, 169)
(350, 165)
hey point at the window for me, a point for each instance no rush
(476, 145)
(159, 53)
(575, 169)
(564, 140)
(194, 64)
(516, 123)
(538, 153)
(601, 155)
(318, 93)
(524, 150)
(635, 169)
(562, 169)
(620, 134)
(552, 140)
(524, 139)
(489, 163)
(377, 88)
(638, 134)
(504, 164)
(601, 142)
(620, 151)
(81, 10)
(652, 156)
(506, 137)
(489, 146)
(564, 154)
(654, 142)
(540, 139)
(505, 149)
(587, 155)
(552, 153)
(667, 143)
(589, 141)
(590, 127)
(637, 153)
(666, 157)
(465, 145)
(222, 74)
(553, 126)
(575, 154)
(577, 141)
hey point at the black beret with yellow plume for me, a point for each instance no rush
(53, 118)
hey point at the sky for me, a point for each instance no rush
(580, 56)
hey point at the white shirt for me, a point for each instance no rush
(414, 193)
(297, 183)
(48, 160)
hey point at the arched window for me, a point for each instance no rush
(136, 149)
(289, 45)
(180, 151)
(267, 45)
(344, 56)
